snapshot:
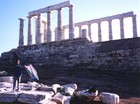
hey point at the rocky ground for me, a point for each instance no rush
(125, 84)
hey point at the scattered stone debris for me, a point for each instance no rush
(38, 93)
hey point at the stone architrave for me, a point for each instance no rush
(121, 28)
(59, 25)
(110, 29)
(29, 31)
(71, 24)
(134, 22)
(99, 32)
(49, 32)
(21, 36)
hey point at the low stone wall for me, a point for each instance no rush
(119, 55)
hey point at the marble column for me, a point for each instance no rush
(99, 32)
(89, 31)
(134, 23)
(84, 33)
(63, 33)
(121, 28)
(21, 27)
(71, 24)
(59, 25)
(110, 29)
(29, 40)
(49, 32)
(56, 37)
(45, 31)
(80, 33)
(38, 29)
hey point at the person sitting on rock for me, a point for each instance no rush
(17, 75)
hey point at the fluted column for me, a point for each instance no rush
(121, 28)
(110, 30)
(59, 25)
(71, 24)
(29, 31)
(63, 33)
(89, 31)
(80, 33)
(56, 34)
(45, 31)
(38, 30)
(99, 32)
(134, 23)
(49, 32)
(21, 27)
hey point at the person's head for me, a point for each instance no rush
(18, 61)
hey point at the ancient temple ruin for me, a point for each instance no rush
(48, 33)
(60, 30)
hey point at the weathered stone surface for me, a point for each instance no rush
(8, 79)
(8, 96)
(33, 97)
(3, 73)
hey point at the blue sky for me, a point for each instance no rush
(11, 10)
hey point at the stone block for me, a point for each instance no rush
(8, 79)
(8, 97)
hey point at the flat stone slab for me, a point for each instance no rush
(29, 97)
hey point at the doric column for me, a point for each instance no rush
(84, 33)
(121, 28)
(49, 32)
(80, 33)
(21, 37)
(71, 24)
(38, 30)
(89, 31)
(134, 22)
(99, 32)
(110, 29)
(59, 25)
(29, 31)
(56, 34)
(45, 30)
(63, 33)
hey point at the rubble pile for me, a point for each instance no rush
(38, 93)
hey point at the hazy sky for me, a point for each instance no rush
(11, 10)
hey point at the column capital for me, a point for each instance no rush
(59, 9)
(110, 20)
(21, 19)
(70, 6)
